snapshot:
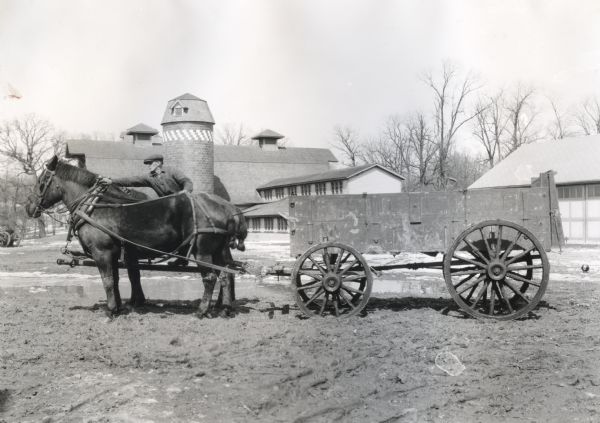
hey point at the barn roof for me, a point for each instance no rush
(575, 160)
(235, 153)
(331, 175)
(267, 133)
(141, 128)
(275, 208)
(198, 110)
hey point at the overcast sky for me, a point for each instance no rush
(298, 67)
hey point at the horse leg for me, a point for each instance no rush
(133, 271)
(108, 266)
(208, 279)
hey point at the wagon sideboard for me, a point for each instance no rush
(421, 221)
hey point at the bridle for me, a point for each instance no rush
(44, 182)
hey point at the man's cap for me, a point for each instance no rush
(152, 158)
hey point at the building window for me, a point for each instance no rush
(336, 187)
(279, 193)
(267, 194)
(268, 223)
(178, 111)
(255, 224)
(571, 192)
(281, 224)
(320, 188)
(305, 189)
(593, 191)
(292, 191)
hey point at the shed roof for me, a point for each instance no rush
(109, 149)
(275, 208)
(575, 160)
(198, 110)
(235, 153)
(141, 128)
(267, 133)
(331, 175)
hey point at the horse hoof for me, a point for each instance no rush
(226, 313)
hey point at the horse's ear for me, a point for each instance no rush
(51, 164)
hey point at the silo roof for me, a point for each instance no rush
(197, 110)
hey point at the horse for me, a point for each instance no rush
(167, 224)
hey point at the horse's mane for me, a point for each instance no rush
(87, 178)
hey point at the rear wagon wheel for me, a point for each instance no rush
(496, 269)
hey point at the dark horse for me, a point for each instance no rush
(162, 224)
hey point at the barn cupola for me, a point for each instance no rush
(140, 134)
(187, 126)
(267, 140)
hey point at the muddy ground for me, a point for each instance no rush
(63, 360)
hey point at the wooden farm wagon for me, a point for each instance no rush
(493, 241)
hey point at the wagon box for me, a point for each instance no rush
(422, 221)
(494, 244)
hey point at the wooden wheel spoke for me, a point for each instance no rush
(467, 272)
(465, 280)
(487, 244)
(517, 268)
(315, 274)
(349, 289)
(466, 260)
(335, 300)
(473, 286)
(326, 259)
(323, 271)
(354, 278)
(475, 251)
(480, 295)
(516, 291)
(521, 279)
(511, 246)
(521, 255)
(499, 241)
(317, 293)
(309, 285)
(338, 261)
(344, 270)
(468, 297)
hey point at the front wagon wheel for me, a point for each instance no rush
(332, 279)
(496, 269)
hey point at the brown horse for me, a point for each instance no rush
(162, 224)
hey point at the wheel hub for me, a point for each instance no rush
(496, 270)
(331, 282)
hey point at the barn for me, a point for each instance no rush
(231, 171)
(577, 175)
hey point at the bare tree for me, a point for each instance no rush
(489, 126)
(346, 141)
(521, 118)
(423, 149)
(232, 134)
(587, 117)
(28, 142)
(450, 96)
(559, 127)
(465, 169)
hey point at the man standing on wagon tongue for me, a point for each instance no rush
(163, 180)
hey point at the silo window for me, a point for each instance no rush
(178, 111)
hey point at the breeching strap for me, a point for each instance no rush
(120, 238)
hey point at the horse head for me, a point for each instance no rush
(46, 192)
